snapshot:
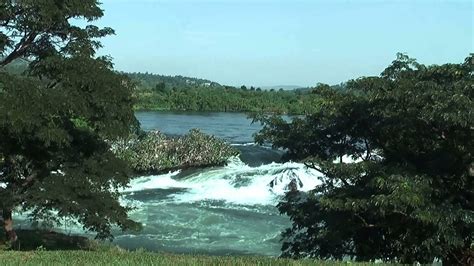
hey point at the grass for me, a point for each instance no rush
(115, 256)
(37, 247)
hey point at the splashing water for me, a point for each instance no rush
(236, 183)
(222, 210)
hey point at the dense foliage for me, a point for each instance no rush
(56, 115)
(177, 93)
(153, 152)
(408, 196)
(156, 92)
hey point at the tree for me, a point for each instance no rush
(160, 87)
(56, 118)
(409, 194)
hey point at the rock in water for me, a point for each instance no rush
(286, 181)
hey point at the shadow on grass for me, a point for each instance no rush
(29, 240)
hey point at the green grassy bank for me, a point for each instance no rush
(43, 247)
(121, 257)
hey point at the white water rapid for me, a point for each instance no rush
(236, 183)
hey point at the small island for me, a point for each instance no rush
(152, 153)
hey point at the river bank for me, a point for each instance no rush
(122, 257)
(49, 248)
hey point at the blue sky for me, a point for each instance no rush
(266, 43)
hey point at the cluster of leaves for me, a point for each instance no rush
(153, 152)
(55, 115)
(409, 194)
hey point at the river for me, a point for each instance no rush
(228, 210)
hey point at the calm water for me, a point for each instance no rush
(233, 127)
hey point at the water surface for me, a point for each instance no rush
(228, 210)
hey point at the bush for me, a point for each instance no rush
(153, 152)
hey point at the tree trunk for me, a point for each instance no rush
(8, 225)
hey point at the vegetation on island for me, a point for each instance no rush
(153, 152)
(408, 196)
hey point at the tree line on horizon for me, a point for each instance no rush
(154, 92)
(178, 93)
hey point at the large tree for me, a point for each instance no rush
(57, 116)
(408, 196)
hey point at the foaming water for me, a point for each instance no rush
(227, 210)
(235, 183)
(150, 182)
(243, 144)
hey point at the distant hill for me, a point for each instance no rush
(340, 86)
(149, 81)
(284, 87)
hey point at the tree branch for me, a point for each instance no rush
(20, 48)
(364, 221)
(367, 150)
